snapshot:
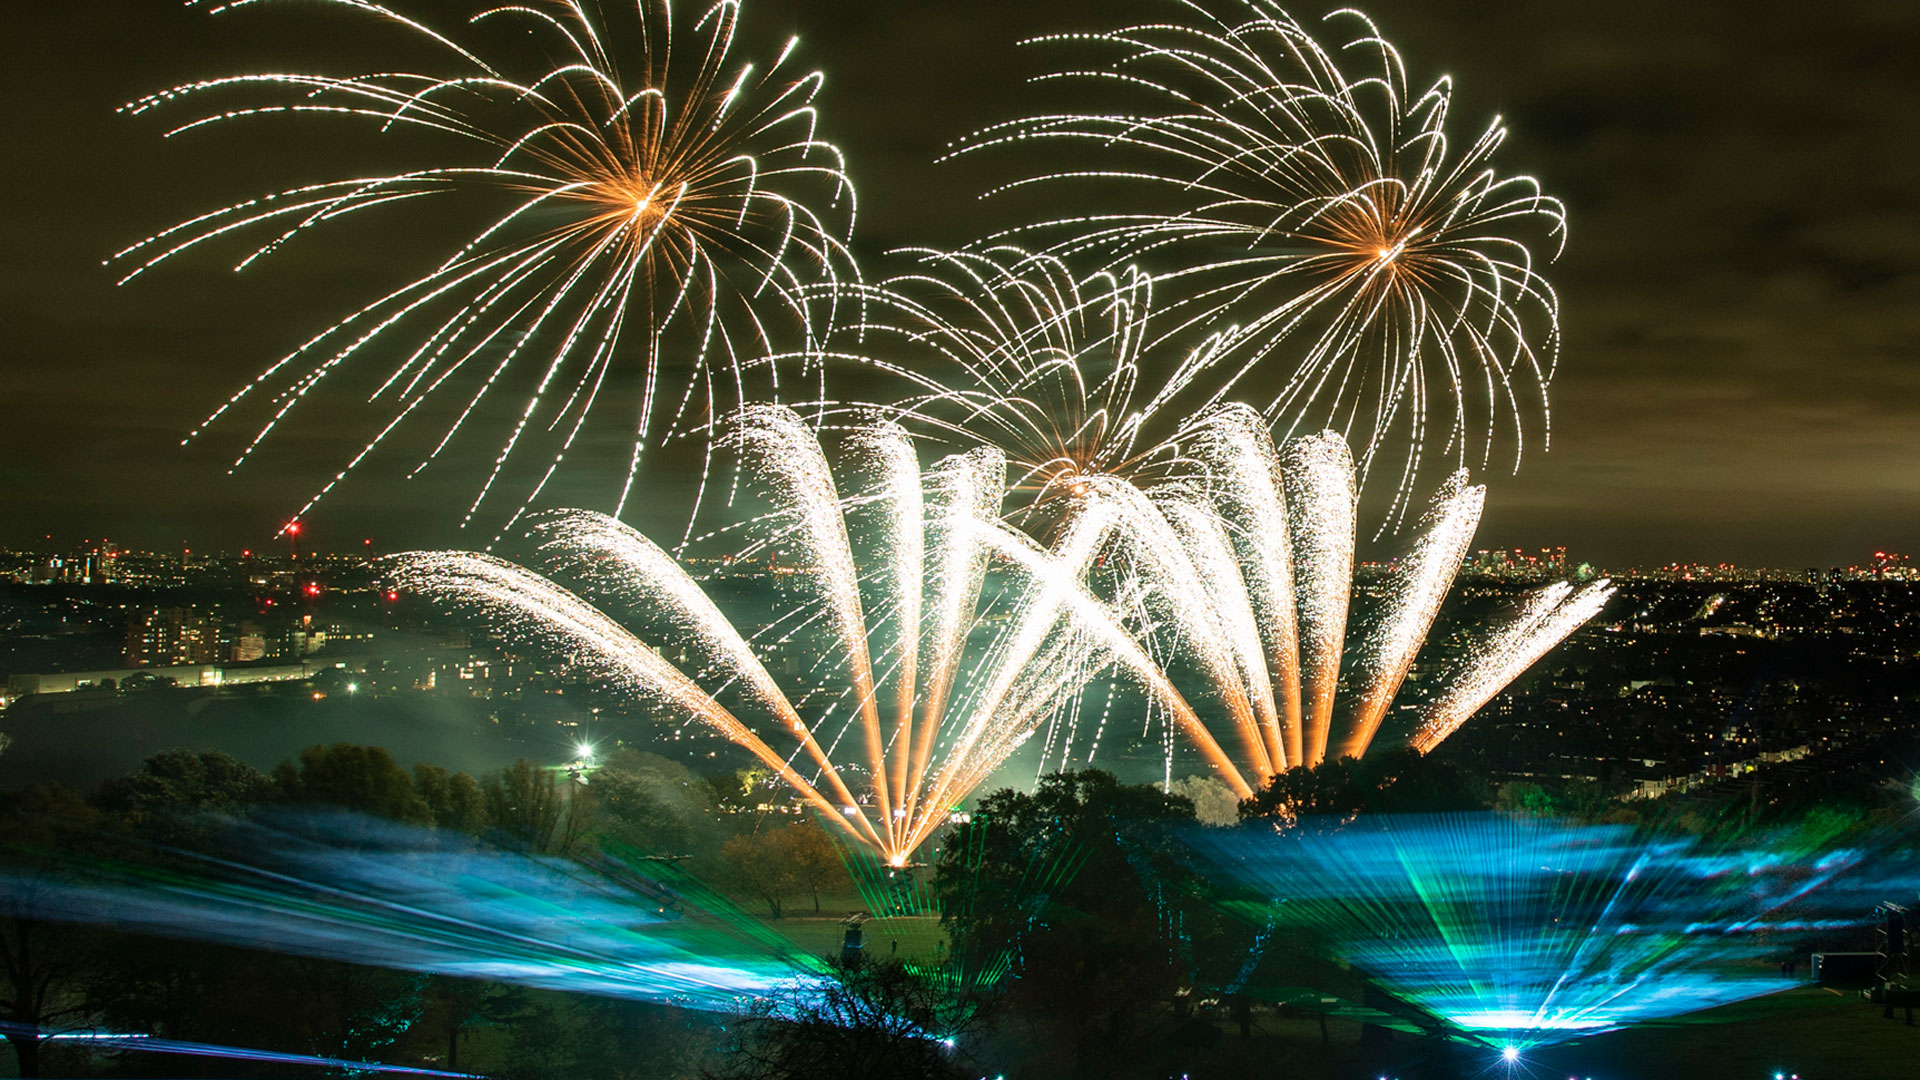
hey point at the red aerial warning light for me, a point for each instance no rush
(392, 595)
(313, 588)
(293, 528)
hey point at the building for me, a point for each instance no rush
(169, 636)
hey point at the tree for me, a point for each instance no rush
(1079, 886)
(760, 864)
(170, 796)
(525, 804)
(458, 1005)
(454, 800)
(1334, 792)
(363, 778)
(646, 802)
(873, 1021)
(815, 858)
(43, 964)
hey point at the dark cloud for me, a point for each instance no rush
(1740, 287)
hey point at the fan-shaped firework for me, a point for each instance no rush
(1250, 572)
(622, 190)
(931, 712)
(1009, 348)
(1385, 283)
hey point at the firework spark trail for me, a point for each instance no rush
(1306, 194)
(1414, 602)
(777, 445)
(954, 717)
(1006, 348)
(619, 560)
(1153, 545)
(1244, 475)
(536, 607)
(1095, 617)
(1246, 569)
(898, 490)
(622, 201)
(1546, 620)
(1319, 482)
(1223, 591)
(963, 489)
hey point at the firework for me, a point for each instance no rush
(1383, 282)
(1249, 573)
(1011, 349)
(929, 712)
(628, 196)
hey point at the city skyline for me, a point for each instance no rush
(1735, 246)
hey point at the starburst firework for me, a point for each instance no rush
(1009, 348)
(1383, 282)
(631, 198)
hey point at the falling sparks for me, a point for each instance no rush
(1246, 569)
(623, 207)
(1250, 572)
(1382, 280)
(1548, 616)
(932, 715)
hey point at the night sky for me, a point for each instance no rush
(1740, 371)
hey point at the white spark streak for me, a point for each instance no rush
(953, 714)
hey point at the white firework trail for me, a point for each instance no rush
(1424, 578)
(1320, 495)
(932, 719)
(1384, 280)
(1548, 617)
(1244, 470)
(536, 607)
(1248, 572)
(622, 188)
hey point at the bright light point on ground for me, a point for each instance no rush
(1511, 1053)
(586, 751)
(353, 687)
(896, 861)
(948, 1043)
